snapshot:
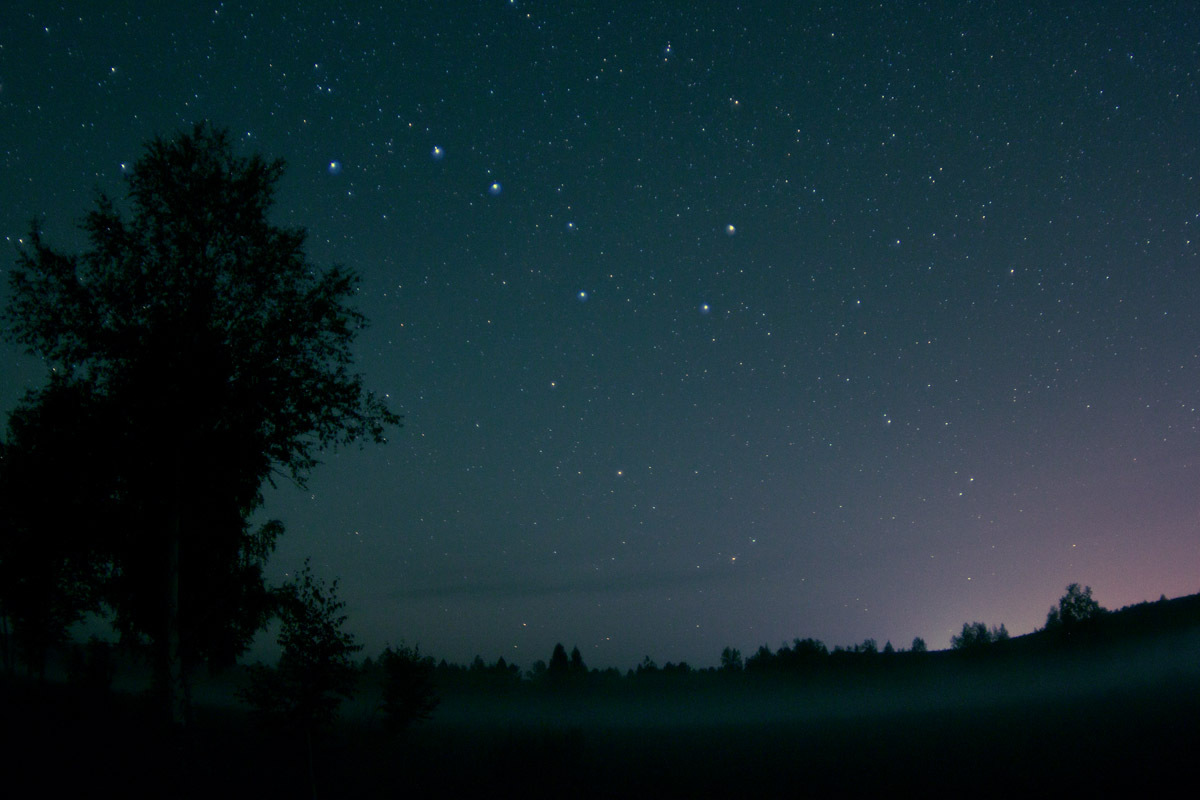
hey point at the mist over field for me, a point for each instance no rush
(1117, 703)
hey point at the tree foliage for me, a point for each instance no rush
(576, 667)
(199, 289)
(408, 690)
(316, 670)
(804, 654)
(559, 664)
(976, 636)
(218, 357)
(53, 518)
(563, 669)
(1074, 608)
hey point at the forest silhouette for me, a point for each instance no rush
(194, 354)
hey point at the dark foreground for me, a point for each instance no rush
(974, 730)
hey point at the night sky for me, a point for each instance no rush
(711, 325)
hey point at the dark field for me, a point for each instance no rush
(1099, 720)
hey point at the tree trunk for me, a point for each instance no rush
(176, 683)
(7, 644)
(312, 775)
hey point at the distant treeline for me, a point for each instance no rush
(1075, 622)
(412, 682)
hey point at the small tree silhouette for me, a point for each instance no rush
(559, 665)
(1074, 607)
(315, 671)
(575, 667)
(408, 690)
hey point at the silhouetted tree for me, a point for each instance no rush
(918, 645)
(647, 667)
(316, 670)
(804, 654)
(503, 676)
(731, 659)
(223, 356)
(763, 660)
(408, 690)
(1074, 607)
(498, 676)
(54, 516)
(974, 636)
(576, 668)
(559, 664)
(810, 648)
